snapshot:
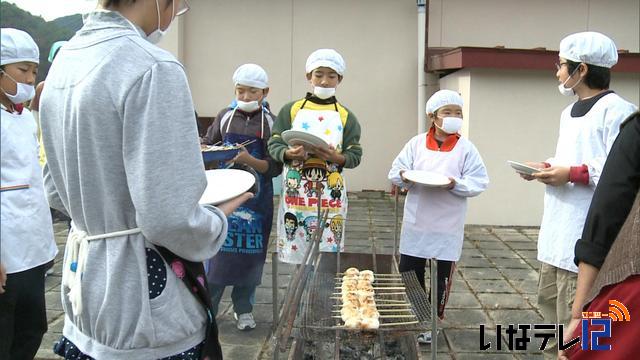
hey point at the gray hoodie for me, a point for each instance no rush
(123, 152)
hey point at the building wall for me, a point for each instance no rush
(525, 24)
(514, 115)
(377, 38)
(509, 114)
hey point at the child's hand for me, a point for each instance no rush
(328, 154)
(452, 184)
(554, 176)
(568, 333)
(243, 157)
(228, 207)
(296, 152)
(404, 179)
(537, 165)
(3, 278)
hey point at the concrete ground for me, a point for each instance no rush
(495, 283)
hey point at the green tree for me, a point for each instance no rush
(45, 33)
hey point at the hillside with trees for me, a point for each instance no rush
(45, 33)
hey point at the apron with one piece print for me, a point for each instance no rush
(298, 212)
(241, 259)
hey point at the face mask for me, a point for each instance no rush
(158, 33)
(248, 106)
(451, 125)
(323, 93)
(568, 91)
(24, 92)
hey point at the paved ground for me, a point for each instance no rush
(495, 283)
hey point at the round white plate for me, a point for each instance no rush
(297, 137)
(427, 178)
(522, 168)
(225, 184)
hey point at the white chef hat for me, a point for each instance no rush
(441, 98)
(251, 75)
(17, 46)
(589, 47)
(326, 58)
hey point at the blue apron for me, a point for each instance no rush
(241, 258)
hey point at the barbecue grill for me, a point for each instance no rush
(310, 314)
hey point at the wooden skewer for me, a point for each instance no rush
(386, 310)
(377, 288)
(397, 275)
(384, 302)
(381, 325)
(383, 316)
(399, 323)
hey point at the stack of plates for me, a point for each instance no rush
(427, 178)
(296, 137)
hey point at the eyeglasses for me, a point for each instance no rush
(182, 8)
(558, 66)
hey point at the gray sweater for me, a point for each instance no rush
(122, 148)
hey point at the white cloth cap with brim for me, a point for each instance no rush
(17, 46)
(441, 98)
(251, 75)
(589, 47)
(326, 58)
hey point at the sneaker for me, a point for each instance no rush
(425, 337)
(245, 321)
(49, 272)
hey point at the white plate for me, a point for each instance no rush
(297, 137)
(225, 184)
(522, 168)
(427, 178)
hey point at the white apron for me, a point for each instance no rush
(433, 224)
(26, 233)
(298, 210)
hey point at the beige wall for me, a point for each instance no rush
(377, 38)
(509, 114)
(527, 24)
(514, 115)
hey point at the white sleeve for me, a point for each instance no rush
(611, 120)
(404, 161)
(474, 179)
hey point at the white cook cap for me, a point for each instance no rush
(17, 46)
(441, 98)
(589, 47)
(326, 58)
(251, 75)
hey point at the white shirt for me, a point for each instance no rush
(433, 222)
(582, 140)
(25, 227)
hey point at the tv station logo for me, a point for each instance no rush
(595, 326)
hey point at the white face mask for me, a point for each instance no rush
(451, 125)
(323, 93)
(248, 106)
(568, 91)
(24, 92)
(158, 33)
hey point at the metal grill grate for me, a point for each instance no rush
(315, 320)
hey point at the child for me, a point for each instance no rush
(433, 223)
(241, 258)
(588, 128)
(27, 243)
(321, 114)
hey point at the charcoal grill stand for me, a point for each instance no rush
(433, 265)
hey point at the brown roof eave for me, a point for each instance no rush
(522, 59)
